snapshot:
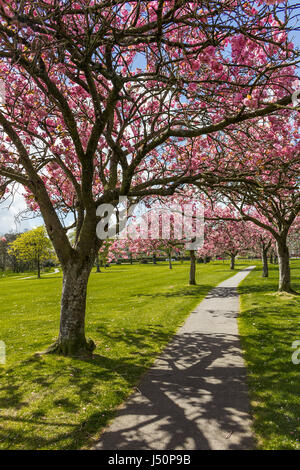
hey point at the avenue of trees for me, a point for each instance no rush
(224, 238)
(111, 98)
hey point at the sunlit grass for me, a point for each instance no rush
(269, 324)
(51, 402)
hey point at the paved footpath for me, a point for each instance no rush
(31, 277)
(195, 396)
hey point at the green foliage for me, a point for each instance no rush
(33, 246)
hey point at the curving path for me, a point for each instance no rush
(56, 270)
(195, 396)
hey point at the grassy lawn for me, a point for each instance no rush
(269, 323)
(11, 274)
(53, 402)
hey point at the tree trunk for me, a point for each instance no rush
(154, 258)
(284, 266)
(4, 262)
(271, 258)
(265, 272)
(72, 340)
(193, 268)
(232, 261)
(98, 270)
(170, 260)
(38, 268)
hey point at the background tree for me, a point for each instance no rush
(8, 260)
(33, 246)
(3, 253)
(263, 241)
(228, 236)
(294, 238)
(256, 170)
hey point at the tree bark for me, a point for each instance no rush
(38, 268)
(170, 261)
(193, 268)
(4, 262)
(284, 266)
(98, 270)
(232, 261)
(72, 340)
(265, 272)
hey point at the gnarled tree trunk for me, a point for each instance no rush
(98, 270)
(72, 340)
(265, 272)
(232, 261)
(284, 266)
(38, 268)
(170, 260)
(193, 268)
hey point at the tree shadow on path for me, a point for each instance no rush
(194, 398)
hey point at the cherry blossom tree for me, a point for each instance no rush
(97, 93)
(276, 199)
(256, 169)
(226, 233)
(263, 242)
(294, 237)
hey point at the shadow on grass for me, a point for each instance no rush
(48, 278)
(267, 285)
(188, 291)
(270, 324)
(163, 391)
(273, 378)
(85, 378)
(109, 272)
(198, 352)
(189, 374)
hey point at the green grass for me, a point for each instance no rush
(49, 402)
(269, 323)
(11, 274)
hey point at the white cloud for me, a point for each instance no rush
(10, 210)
